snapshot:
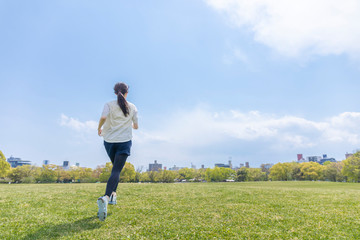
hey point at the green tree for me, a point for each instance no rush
(2, 156)
(154, 176)
(25, 174)
(332, 171)
(128, 173)
(144, 177)
(167, 176)
(351, 168)
(96, 173)
(311, 170)
(106, 172)
(241, 174)
(86, 175)
(218, 174)
(138, 174)
(200, 174)
(255, 174)
(186, 174)
(4, 166)
(47, 175)
(63, 175)
(285, 172)
(74, 173)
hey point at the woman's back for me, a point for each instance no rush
(118, 127)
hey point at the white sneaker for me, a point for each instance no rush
(102, 204)
(112, 199)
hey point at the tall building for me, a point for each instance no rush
(155, 166)
(46, 162)
(247, 165)
(300, 158)
(15, 162)
(65, 165)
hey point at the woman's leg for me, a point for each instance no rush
(113, 181)
(110, 150)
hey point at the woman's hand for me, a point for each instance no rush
(101, 123)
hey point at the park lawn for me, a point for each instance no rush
(251, 210)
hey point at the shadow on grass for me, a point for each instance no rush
(65, 229)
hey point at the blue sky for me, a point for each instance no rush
(256, 81)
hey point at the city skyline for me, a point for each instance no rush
(159, 165)
(211, 79)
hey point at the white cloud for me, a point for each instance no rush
(77, 125)
(298, 27)
(199, 135)
(200, 127)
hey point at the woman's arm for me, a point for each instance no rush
(135, 126)
(101, 123)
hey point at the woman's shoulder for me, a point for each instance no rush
(114, 102)
(131, 104)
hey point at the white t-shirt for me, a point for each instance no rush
(117, 127)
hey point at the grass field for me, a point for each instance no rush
(253, 210)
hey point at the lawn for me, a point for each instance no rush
(251, 210)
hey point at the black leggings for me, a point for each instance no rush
(118, 164)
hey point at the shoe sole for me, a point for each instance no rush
(102, 213)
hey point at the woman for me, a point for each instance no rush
(115, 125)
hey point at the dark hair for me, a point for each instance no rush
(120, 90)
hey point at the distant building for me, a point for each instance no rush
(347, 155)
(221, 165)
(314, 158)
(46, 162)
(266, 167)
(15, 162)
(77, 164)
(224, 165)
(175, 168)
(193, 166)
(300, 158)
(202, 166)
(247, 165)
(155, 166)
(326, 159)
(317, 159)
(66, 165)
(241, 165)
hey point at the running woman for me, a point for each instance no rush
(115, 126)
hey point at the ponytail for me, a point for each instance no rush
(121, 89)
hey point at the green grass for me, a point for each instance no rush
(256, 210)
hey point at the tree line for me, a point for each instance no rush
(346, 170)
